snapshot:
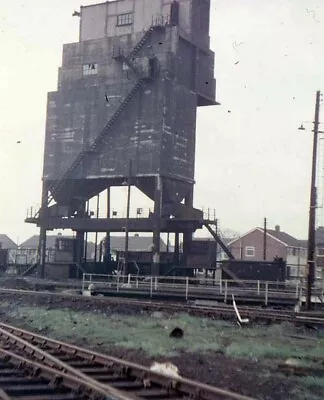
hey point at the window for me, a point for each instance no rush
(293, 271)
(249, 251)
(124, 19)
(294, 251)
(90, 69)
(320, 251)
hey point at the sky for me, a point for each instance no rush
(251, 160)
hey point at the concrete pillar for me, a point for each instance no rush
(42, 233)
(157, 226)
(187, 234)
(107, 256)
(79, 249)
(80, 236)
(176, 249)
(42, 251)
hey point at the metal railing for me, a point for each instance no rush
(188, 287)
(138, 212)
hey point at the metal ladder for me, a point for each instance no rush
(58, 184)
(127, 59)
(143, 40)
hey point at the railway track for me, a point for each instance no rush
(24, 379)
(36, 367)
(216, 310)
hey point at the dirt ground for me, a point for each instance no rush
(216, 352)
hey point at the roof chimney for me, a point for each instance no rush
(277, 228)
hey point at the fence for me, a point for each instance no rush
(188, 287)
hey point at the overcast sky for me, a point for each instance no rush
(251, 161)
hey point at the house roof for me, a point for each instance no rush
(33, 241)
(117, 243)
(280, 236)
(285, 238)
(225, 240)
(320, 235)
(6, 242)
(135, 243)
(303, 243)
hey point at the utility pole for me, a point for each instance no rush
(265, 239)
(216, 248)
(312, 210)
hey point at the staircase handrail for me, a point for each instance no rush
(55, 186)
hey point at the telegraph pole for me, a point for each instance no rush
(265, 239)
(312, 210)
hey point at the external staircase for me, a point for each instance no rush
(58, 184)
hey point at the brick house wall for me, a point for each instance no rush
(250, 247)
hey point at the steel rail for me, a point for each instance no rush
(131, 301)
(146, 382)
(39, 381)
(217, 310)
(56, 363)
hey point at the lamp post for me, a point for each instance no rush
(312, 208)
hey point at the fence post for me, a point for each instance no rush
(83, 278)
(118, 283)
(297, 290)
(220, 285)
(266, 293)
(129, 280)
(258, 283)
(225, 294)
(187, 287)
(137, 282)
(151, 289)
(155, 283)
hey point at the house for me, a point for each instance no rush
(33, 242)
(205, 252)
(278, 244)
(319, 241)
(27, 252)
(28, 249)
(136, 243)
(6, 243)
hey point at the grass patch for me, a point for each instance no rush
(152, 334)
(260, 349)
(310, 388)
(313, 381)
